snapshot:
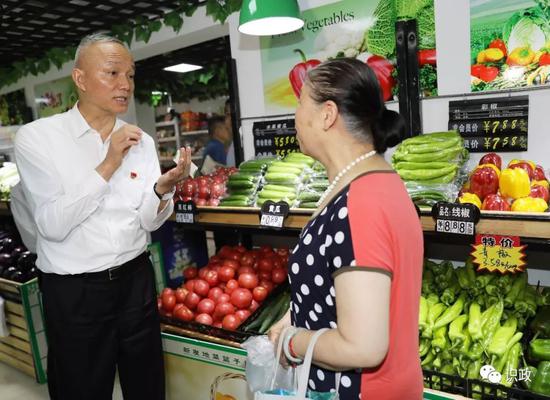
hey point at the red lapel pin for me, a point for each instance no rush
(133, 175)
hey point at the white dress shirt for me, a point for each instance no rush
(84, 223)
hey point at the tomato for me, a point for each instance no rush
(234, 256)
(166, 291)
(230, 322)
(240, 248)
(181, 292)
(278, 275)
(265, 264)
(242, 314)
(224, 298)
(168, 302)
(248, 280)
(212, 278)
(225, 274)
(282, 251)
(253, 305)
(498, 44)
(215, 293)
(259, 293)
(224, 251)
(266, 249)
(277, 262)
(203, 271)
(192, 300)
(264, 275)
(190, 273)
(245, 270)
(184, 313)
(204, 319)
(215, 260)
(201, 287)
(241, 298)
(177, 307)
(206, 306)
(222, 309)
(489, 74)
(190, 285)
(247, 260)
(231, 264)
(231, 285)
(267, 284)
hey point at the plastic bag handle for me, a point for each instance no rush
(278, 356)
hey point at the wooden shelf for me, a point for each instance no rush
(167, 139)
(199, 132)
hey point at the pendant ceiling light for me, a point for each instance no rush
(269, 17)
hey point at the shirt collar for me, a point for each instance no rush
(79, 125)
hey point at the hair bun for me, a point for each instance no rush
(388, 130)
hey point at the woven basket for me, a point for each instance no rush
(224, 377)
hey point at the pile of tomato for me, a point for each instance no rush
(226, 291)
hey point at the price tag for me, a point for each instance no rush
(496, 253)
(185, 212)
(272, 215)
(455, 218)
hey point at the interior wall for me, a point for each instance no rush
(212, 106)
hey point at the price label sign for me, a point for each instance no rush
(496, 253)
(277, 137)
(455, 218)
(185, 212)
(272, 215)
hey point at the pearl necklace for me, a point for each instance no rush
(342, 173)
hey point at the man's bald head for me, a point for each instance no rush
(89, 41)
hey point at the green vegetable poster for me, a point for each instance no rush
(362, 29)
(55, 97)
(510, 44)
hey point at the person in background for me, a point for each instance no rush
(357, 268)
(220, 139)
(94, 188)
(228, 123)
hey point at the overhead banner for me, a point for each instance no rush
(510, 44)
(55, 97)
(362, 29)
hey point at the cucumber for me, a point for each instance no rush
(261, 200)
(279, 188)
(270, 319)
(234, 203)
(290, 170)
(309, 196)
(268, 194)
(308, 204)
(282, 177)
(239, 185)
(421, 165)
(245, 176)
(318, 185)
(243, 192)
(237, 197)
(288, 164)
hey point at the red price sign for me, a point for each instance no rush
(496, 253)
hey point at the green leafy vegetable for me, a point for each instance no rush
(428, 80)
(380, 39)
(426, 28)
(529, 27)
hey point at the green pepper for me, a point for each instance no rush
(530, 378)
(434, 311)
(539, 349)
(422, 313)
(464, 279)
(427, 281)
(473, 369)
(474, 321)
(541, 323)
(501, 362)
(476, 351)
(450, 292)
(432, 299)
(504, 282)
(528, 303)
(483, 280)
(424, 347)
(464, 349)
(541, 383)
(456, 330)
(451, 313)
(543, 299)
(439, 342)
(491, 324)
(428, 360)
(497, 346)
(511, 364)
(493, 290)
(517, 288)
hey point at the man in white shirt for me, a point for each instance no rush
(94, 187)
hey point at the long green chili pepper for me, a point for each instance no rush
(434, 312)
(511, 365)
(490, 326)
(517, 288)
(473, 369)
(423, 313)
(474, 321)
(497, 346)
(424, 347)
(439, 342)
(451, 313)
(456, 330)
(483, 280)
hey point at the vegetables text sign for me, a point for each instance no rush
(275, 138)
(495, 253)
(495, 124)
(273, 214)
(455, 218)
(185, 212)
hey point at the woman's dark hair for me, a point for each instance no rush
(353, 86)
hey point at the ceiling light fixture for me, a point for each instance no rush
(269, 17)
(183, 68)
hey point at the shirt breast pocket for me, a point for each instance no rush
(132, 188)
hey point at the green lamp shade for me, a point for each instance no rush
(269, 17)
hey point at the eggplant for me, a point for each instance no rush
(9, 271)
(26, 261)
(17, 251)
(6, 259)
(7, 245)
(18, 276)
(32, 273)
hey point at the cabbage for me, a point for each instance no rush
(426, 28)
(409, 9)
(380, 39)
(530, 27)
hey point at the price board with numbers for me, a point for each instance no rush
(455, 218)
(185, 212)
(272, 215)
(494, 124)
(497, 253)
(275, 138)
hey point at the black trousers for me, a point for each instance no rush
(97, 322)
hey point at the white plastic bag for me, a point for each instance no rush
(260, 362)
(3, 326)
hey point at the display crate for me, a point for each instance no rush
(25, 348)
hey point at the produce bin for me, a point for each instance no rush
(25, 348)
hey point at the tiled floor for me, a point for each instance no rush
(15, 385)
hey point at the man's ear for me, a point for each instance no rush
(79, 79)
(329, 114)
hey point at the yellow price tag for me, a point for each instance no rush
(495, 253)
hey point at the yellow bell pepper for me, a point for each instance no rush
(516, 161)
(493, 55)
(529, 204)
(521, 56)
(541, 183)
(470, 198)
(493, 166)
(514, 183)
(481, 58)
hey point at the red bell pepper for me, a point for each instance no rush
(544, 59)
(491, 158)
(298, 74)
(538, 175)
(540, 191)
(488, 74)
(383, 70)
(526, 166)
(475, 70)
(495, 202)
(499, 44)
(428, 56)
(484, 181)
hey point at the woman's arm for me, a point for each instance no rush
(361, 339)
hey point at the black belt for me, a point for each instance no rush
(119, 271)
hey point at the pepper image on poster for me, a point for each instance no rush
(298, 74)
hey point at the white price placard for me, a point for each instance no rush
(453, 226)
(272, 221)
(185, 218)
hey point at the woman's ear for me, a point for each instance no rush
(329, 114)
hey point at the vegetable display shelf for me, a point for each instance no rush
(529, 225)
